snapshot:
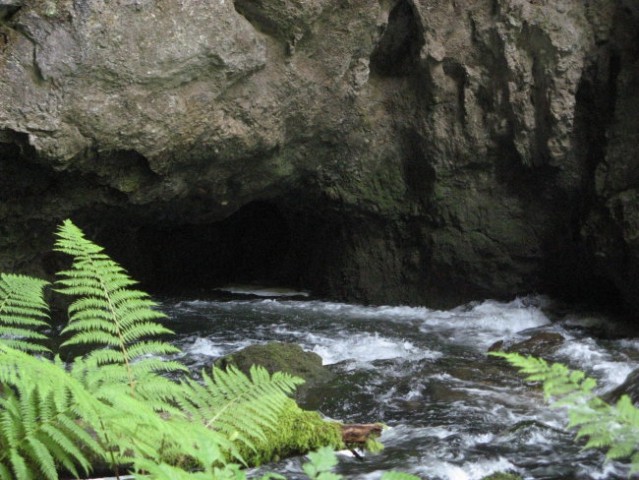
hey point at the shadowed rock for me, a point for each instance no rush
(410, 151)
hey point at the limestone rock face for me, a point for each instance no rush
(400, 151)
(611, 230)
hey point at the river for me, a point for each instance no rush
(452, 412)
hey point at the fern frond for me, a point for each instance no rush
(109, 314)
(614, 428)
(22, 312)
(240, 407)
(38, 420)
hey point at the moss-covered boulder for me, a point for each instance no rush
(282, 357)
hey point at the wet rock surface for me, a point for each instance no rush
(283, 357)
(403, 151)
(629, 387)
(541, 345)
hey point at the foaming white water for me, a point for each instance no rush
(469, 470)
(477, 325)
(204, 346)
(587, 354)
(343, 310)
(454, 417)
(212, 347)
(484, 323)
(365, 348)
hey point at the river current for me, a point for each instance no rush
(452, 412)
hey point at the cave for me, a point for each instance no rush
(397, 52)
(252, 246)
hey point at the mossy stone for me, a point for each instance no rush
(282, 357)
(297, 433)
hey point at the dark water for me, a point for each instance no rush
(453, 413)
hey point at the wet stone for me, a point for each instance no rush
(629, 387)
(282, 357)
(539, 345)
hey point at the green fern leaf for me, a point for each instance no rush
(5, 473)
(22, 312)
(614, 428)
(41, 455)
(240, 407)
(109, 314)
(19, 466)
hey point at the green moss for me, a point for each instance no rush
(277, 357)
(282, 357)
(298, 432)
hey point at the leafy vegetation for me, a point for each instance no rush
(614, 428)
(115, 404)
(23, 312)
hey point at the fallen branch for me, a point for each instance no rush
(360, 433)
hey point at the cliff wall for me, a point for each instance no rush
(413, 151)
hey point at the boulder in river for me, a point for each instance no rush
(629, 387)
(540, 344)
(282, 357)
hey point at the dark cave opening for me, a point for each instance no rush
(397, 53)
(252, 246)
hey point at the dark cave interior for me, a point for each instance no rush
(252, 246)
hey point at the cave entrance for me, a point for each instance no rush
(397, 53)
(252, 246)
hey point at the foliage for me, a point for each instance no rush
(109, 313)
(114, 403)
(38, 419)
(23, 312)
(614, 428)
(320, 465)
(298, 432)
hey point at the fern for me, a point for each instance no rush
(109, 313)
(114, 404)
(38, 420)
(614, 428)
(240, 407)
(23, 312)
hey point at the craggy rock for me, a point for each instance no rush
(611, 230)
(401, 151)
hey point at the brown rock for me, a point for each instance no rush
(409, 151)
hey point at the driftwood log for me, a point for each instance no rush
(360, 433)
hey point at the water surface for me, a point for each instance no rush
(453, 413)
